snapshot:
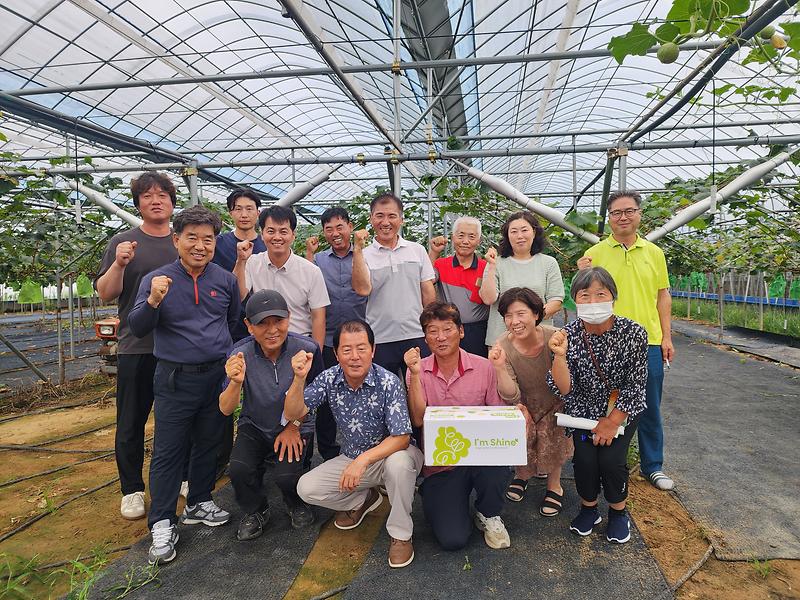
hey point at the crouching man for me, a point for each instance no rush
(453, 377)
(189, 306)
(261, 365)
(369, 406)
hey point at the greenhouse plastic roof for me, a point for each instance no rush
(47, 43)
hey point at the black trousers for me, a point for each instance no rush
(602, 464)
(325, 423)
(134, 402)
(474, 340)
(389, 355)
(187, 412)
(445, 501)
(251, 450)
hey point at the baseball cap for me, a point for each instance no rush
(263, 304)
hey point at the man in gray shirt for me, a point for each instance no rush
(131, 255)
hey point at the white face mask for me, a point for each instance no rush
(596, 312)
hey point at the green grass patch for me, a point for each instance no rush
(776, 320)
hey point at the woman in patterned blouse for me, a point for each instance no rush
(600, 370)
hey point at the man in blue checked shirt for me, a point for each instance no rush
(371, 412)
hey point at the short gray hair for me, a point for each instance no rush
(466, 220)
(586, 277)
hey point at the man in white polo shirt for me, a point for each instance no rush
(398, 277)
(299, 282)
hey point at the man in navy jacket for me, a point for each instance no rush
(189, 305)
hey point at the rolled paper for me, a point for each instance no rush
(563, 420)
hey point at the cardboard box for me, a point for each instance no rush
(474, 436)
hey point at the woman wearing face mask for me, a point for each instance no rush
(521, 361)
(521, 264)
(600, 370)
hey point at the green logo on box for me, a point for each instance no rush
(451, 447)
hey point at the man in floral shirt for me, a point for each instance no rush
(369, 406)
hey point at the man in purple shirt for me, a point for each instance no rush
(454, 377)
(189, 306)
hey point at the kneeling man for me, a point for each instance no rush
(453, 377)
(261, 365)
(369, 406)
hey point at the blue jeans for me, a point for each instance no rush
(651, 432)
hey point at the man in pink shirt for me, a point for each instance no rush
(454, 377)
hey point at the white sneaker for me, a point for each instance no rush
(165, 536)
(494, 531)
(132, 506)
(184, 490)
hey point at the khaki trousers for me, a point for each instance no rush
(398, 472)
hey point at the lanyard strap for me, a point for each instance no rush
(593, 357)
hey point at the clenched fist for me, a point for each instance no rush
(491, 256)
(312, 244)
(360, 238)
(585, 262)
(497, 356)
(244, 250)
(412, 360)
(124, 253)
(437, 244)
(558, 343)
(235, 368)
(301, 363)
(159, 286)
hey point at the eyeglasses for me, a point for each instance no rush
(628, 212)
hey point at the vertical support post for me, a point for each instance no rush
(430, 213)
(721, 304)
(191, 172)
(429, 77)
(601, 222)
(61, 371)
(622, 178)
(78, 215)
(397, 16)
(574, 176)
(71, 300)
(761, 302)
(294, 169)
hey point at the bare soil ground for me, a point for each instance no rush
(92, 525)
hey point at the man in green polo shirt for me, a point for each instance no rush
(640, 272)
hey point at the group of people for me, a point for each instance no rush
(349, 345)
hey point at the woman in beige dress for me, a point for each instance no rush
(521, 359)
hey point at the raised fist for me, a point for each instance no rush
(244, 250)
(312, 244)
(124, 253)
(585, 262)
(497, 356)
(235, 368)
(558, 343)
(301, 363)
(159, 286)
(437, 244)
(412, 360)
(360, 238)
(491, 256)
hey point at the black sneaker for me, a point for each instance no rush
(619, 527)
(586, 520)
(301, 515)
(252, 526)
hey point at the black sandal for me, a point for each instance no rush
(551, 500)
(516, 490)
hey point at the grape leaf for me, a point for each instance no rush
(668, 32)
(634, 43)
(793, 31)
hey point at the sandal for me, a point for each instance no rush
(516, 490)
(551, 500)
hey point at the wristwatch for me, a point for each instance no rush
(296, 423)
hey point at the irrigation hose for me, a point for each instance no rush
(330, 593)
(75, 435)
(25, 448)
(50, 409)
(38, 517)
(696, 567)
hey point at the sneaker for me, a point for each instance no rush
(494, 531)
(401, 553)
(132, 506)
(184, 490)
(251, 526)
(350, 519)
(301, 515)
(206, 512)
(660, 480)
(165, 536)
(619, 527)
(586, 520)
